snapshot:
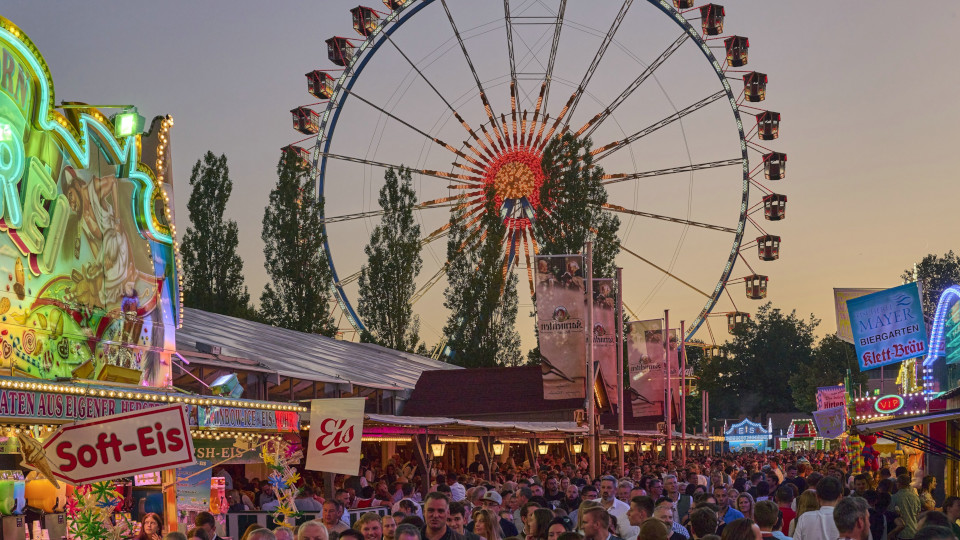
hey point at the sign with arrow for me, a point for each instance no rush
(115, 446)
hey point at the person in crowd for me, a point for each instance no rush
(807, 502)
(389, 524)
(850, 517)
(493, 502)
(436, 507)
(150, 527)
(624, 487)
(703, 522)
(596, 524)
(306, 502)
(538, 520)
(861, 484)
(935, 533)
(406, 531)
(784, 499)
(655, 488)
(351, 534)
(331, 513)
(457, 517)
(284, 533)
(641, 509)
(262, 534)
(558, 527)
(197, 533)
(819, 525)
(615, 507)
(654, 529)
(793, 477)
(745, 504)
(553, 492)
(486, 525)
(663, 511)
(266, 494)
(175, 535)
(312, 530)
(951, 507)
(727, 513)
(571, 499)
(741, 529)
(906, 503)
(681, 501)
(927, 486)
(522, 497)
(769, 519)
(205, 521)
(369, 525)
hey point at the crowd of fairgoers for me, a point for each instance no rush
(801, 495)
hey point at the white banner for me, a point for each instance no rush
(605, 334)
(840, 297)
(647, 360)
(336, 429)
(561, 312)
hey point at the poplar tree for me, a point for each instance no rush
(482, 300)
(571, 197)
(298, 294)
(387, 281)
(213, 270)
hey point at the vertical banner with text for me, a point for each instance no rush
(561, 306)
(647, 360)
(336, 429)
(605, 334)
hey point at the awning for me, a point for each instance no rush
(906, 422)
(439, 421)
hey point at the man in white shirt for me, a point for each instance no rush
(616, 508)
(819, 524)
(457, 491)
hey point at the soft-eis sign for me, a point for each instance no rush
(121, 445)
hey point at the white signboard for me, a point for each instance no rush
(336, 429)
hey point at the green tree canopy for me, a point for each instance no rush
(571, 200)
(828, 366)
(481, 297)
(213, 270)
(935, 274)
(387, 281)
(298, 294)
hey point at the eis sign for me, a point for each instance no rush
(888, 326)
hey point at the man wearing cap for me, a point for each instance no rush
(491, 501)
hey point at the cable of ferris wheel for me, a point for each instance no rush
(623, 177)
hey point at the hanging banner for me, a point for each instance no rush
(829, 397)
(561, 310)
(888, 326)
(832, 422)
(336, 428)
(840, 297)
(647, 360)
(605, 334)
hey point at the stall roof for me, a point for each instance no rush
(310, 357)
(439, 421)
(907, 421)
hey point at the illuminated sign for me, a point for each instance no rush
(889, 404)
(888, 326)
(85, 239)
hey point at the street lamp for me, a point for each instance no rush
(577, 447)
(498, 448)
(437, 447)
(645, 447)
(543, 448)
(626, 448)
(604, 447)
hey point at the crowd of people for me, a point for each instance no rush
(784, 496)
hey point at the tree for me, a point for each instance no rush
(387, 281)
(750, 378)
(298, 296)
(481, 297)
(934, 274)
(213, 271)
(831, 360)
(571, 199)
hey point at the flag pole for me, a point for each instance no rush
(683, 392)
(666, 370)
(619, 327)
(590, 382)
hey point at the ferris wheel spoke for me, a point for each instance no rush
(610, 148)
(662, 269)
(463, 47)
(374, 213)
(607, 40)
(622, 210)
(558, 25)
(425, 172)
(623, 177)
(509, 25)
(595, 122)
(414, 128)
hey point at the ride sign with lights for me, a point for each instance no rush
(120, 445)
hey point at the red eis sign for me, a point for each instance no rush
(335, 429)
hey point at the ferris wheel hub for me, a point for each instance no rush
(515, 175)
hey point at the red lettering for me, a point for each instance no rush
(333, 439)
(63, 452)
(87, 455)
(175, 442)
(145, 440)
(161, 441)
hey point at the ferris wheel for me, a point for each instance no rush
(468, 96)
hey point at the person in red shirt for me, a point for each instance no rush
(784, 498)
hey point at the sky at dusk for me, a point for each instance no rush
(867, 93)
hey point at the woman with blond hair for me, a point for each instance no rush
(745, 504)
(806, 503)
(486, 525)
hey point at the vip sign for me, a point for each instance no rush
(336, 429)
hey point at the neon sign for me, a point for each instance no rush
(889, 404)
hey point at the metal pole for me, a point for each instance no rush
(667, 375)
(619, 315)
(591, 417)
(683, 391)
